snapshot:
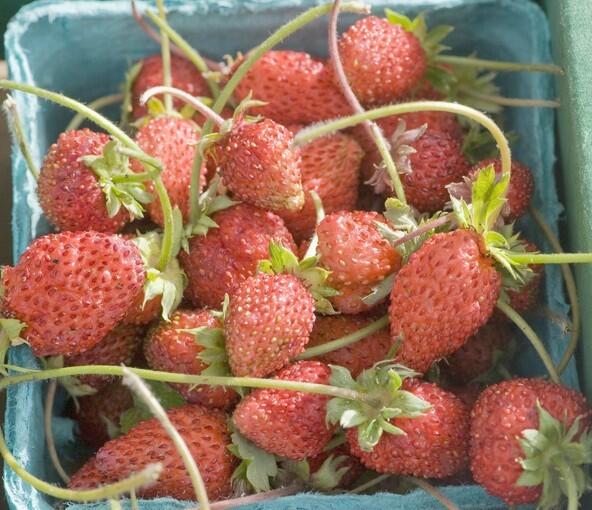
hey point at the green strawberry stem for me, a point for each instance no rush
(47, 419)
(144, 477)
(165, 50)
(509, 101)
(551, 258)
(570, 285)
(426, 227)
(370, 483)
(569, 479)
(192, 55)
(532, 337)
(206, 111)
(225, 94)
(140, 388)
(346, 340)
(173, 377)
(319, 130)
(371, 128)
(124, 139)
(498, 65)
(432, 491)
(97, 104)
(16, 128)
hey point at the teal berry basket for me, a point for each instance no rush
(83, 48)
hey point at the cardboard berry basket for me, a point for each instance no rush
(83, 48)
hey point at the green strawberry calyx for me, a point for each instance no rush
(117, 182)
(209, 202)
(329, 475)
(382, 384)
(10, 335)
(556, 457)
(170, 283)
(257, 469)
(282, 260)
(482, 214)
(431, 39)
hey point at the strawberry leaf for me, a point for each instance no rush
(10, 335)
(258, 467)
(167, 396)
(209, 202)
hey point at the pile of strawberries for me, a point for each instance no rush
(244, 251)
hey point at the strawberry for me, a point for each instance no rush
(172, 348)
(334, 468)
(352, 248)
(520, 189)
(206, 433)
(447, 290)
(140, 313)
(479, 354)
(259, 165)
(288, 423)
(184, 76)
(69, 191)
(524, 298)
(383, 62)
(297, 88)
(269, 321)
(71, 289)
(119, 346)
(432, 445)
(330, 168)
(89, 477)
(529, 440)
(172, 140)
(467, 394)
(357, 356)
(226, 256)
(97, 414)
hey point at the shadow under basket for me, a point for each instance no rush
(83, 48)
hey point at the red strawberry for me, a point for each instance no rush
(330, 167)
(525, 298)
(477, 356)
(520, 189)
(468, 394)
(206, 433)
(297, 88)
(352, 248)
(171, 349)
(287, 423)
(269, 321)
(500, 443)
(71, 289)
(382, 61)
(97, 412)
(355, 357)
(227, 255)
(260, 165)
(69, 191)
(89, 477)
(172, 140)
(184, 76)
(447, 290)
(119, 346)
(140, 313)
(434, 444)
(341, 466)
